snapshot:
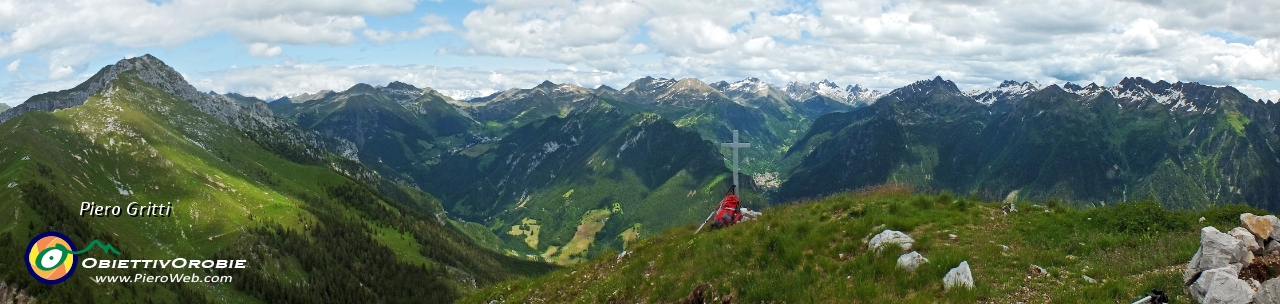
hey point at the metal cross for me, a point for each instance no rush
(735, 145)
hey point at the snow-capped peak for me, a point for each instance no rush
(1088, 90)
(830, 89)
(858, 93)
(1008, 90)
(466, 94)
(1137, 89)
(749, 85)
(852, 94)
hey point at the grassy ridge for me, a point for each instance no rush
(814, 252)
(232, 198)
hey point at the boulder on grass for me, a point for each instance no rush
(890, 237)
(960, 276)
(911, 260)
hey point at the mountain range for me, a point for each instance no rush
(503, 160)
(451, 195)
(1084, 144)
(1185, 144)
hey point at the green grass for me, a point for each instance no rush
(813, 252)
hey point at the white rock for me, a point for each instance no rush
(960, 276)
(1269, 293)
(1088, 279)
(1221, 286)
(1247, 238)
(1217, 250)
(890, 237)
(911, 260)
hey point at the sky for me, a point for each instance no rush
(280, 48)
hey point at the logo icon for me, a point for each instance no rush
(51, 257)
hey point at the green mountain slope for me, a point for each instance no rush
(601, 176)
(554, 155)
(903, 137)
(816, 252)
(398, 129)
(515, 107)
(1186, 144)
(314, 227)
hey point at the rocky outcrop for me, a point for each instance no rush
(1222, 285)
(911, 261)
(890, 237)
(1217, 250)
(1229, 266)
(960, 276)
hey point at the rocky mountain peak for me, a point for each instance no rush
(649, 85)
(691, 84)
(1133, 84)
(1088, 90)
(852, 94)
(396, 85)
(826, 84)
(925, 87)
(750, 85)
(146, 67)
(360, 88)
(546, 85)
(1008, 92)
(305, 97)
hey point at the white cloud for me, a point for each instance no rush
(889, 43)
(55, 25)
(264, 50)
(431, 24)
(1259, 93)
(15, 92)
(13, 66)
(881, 44)
(597, 33)
(58, 72)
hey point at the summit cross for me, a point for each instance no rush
(735, 145)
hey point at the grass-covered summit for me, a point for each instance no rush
(815, 252)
